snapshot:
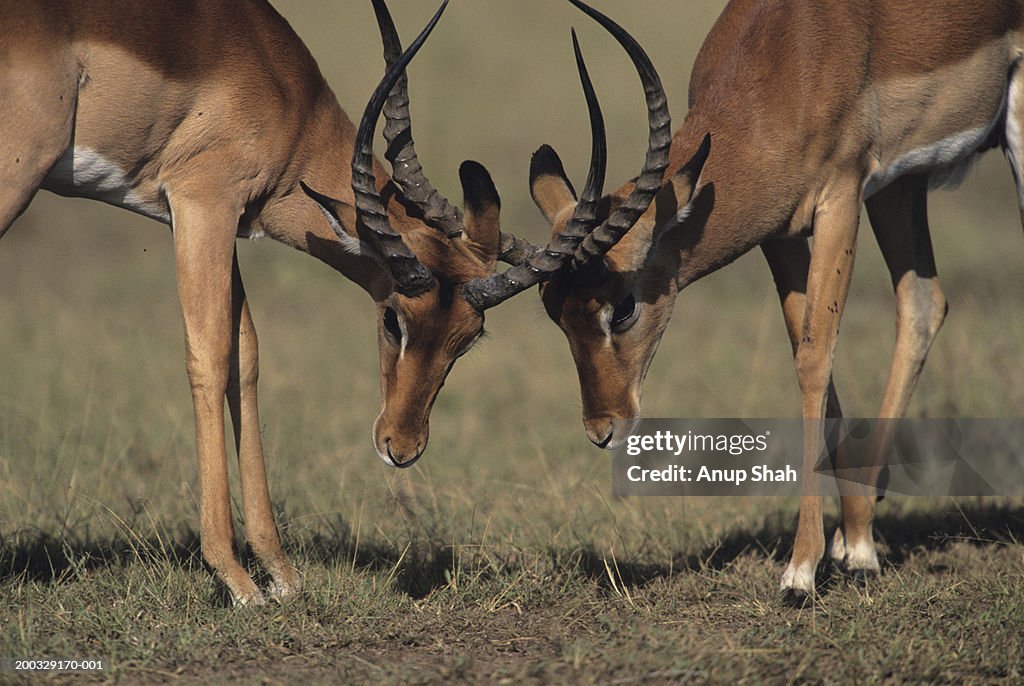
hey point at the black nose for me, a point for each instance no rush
(601, 439)
(400, 462)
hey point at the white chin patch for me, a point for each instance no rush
(383, 455)
(622, 428)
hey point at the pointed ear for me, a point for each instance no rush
(685, 180)
(681, 188)
(550, 187)
(340, 214)
(482, 210)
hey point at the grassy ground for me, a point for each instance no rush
(500, 556)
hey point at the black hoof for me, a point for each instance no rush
(861, 577)
(793, 597)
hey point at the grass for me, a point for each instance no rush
(500, 557)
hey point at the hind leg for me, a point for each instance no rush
(899, 218)
(37, 119)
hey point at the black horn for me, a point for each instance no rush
(542, 264)
(401, 150)
(578, 242)
(411, 277)
(651, 178)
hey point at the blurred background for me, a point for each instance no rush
(95, 395)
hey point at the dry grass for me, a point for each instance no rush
(500, 557)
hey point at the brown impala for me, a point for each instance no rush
(213, 132)
(813, 107)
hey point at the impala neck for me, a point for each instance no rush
(323, 162)
(735, 208)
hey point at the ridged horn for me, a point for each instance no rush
(584, 216)
(401, 151)
(542, 264)
(411, 277)
(605, 236)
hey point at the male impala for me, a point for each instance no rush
(812, 107)
(209, 120)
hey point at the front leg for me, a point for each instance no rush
(260, 529)
(204, 233)
(828, 283)
(790, 261)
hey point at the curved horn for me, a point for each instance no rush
(540, 265)
(584, 216)
(515, 250)
(401, 151)
(651, 178)
(411, 277)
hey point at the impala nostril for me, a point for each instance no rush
(399, 462)
(600, 437)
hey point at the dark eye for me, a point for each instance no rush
(391, 327)
(625, 314)
(479, 334)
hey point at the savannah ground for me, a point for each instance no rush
(500, 556)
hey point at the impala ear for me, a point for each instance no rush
(550, 187)
(674, 200)
(482, 210)
(340, 214)
(685, 180)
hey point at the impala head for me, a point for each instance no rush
(613, 303)
(421, 336)
(598, 281)
(431, 251)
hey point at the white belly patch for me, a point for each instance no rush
(947, 161)
(82, 172)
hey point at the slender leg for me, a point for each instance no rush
(899, 218)
(789, 261)
(204, 247)
(260, 528)
(828, 283)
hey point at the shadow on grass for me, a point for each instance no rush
(417, 570)
(426, 564)
(50, 558)
(902, 534)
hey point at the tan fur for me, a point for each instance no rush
(207, 115)
(810, 106)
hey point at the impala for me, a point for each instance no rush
(212, 121)
(800, 112)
